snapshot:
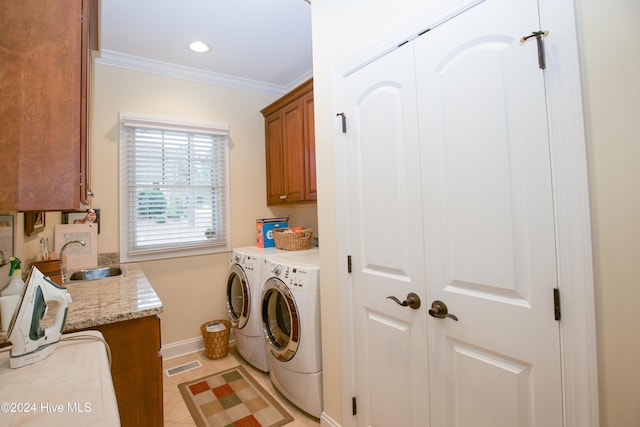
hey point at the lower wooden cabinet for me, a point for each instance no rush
(136, 369)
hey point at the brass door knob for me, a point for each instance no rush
(413, 301)
(439, 310)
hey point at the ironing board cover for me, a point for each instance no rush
(71, 387)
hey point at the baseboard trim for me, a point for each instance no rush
(327, 421)
(182, 348)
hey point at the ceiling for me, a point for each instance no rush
(259, 44)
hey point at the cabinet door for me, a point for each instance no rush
(40, 114)
(294, 176)
(290, 147)
(136, 369)
(274, 158)
(310, 191)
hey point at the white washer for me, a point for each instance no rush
(244, 294)
(291, 326)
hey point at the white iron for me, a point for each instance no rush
(30, 342)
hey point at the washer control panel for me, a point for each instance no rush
(294, 277)
(247, 262)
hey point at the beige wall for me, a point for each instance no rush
(119, 90)
(192, 289)
(27, 247)
(608, 33)
(610, 60)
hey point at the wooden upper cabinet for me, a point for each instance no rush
(290, 147)
(44, 75)
(310, 192)
(293, 146)
(274, 157)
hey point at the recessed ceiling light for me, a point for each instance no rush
(199, 47)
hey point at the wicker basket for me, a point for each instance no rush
(292, 241)
(216, 344)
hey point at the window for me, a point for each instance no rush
(174, 188)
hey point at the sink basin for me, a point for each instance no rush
(96, 273)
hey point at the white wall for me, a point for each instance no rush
(610, 59)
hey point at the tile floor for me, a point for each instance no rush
(176, 413)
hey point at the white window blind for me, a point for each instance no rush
(174, 197)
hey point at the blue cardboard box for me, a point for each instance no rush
(264, 231)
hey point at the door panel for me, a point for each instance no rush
(294, 176)
(275, 157)
(381, 182)
(385, 226)
(489, 225)
(510, 383)
(386, 406)
(311, 188)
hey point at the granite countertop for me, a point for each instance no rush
(110, 300)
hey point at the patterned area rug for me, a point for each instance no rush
(232, 398)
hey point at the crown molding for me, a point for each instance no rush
(300, 80)
(136, 63)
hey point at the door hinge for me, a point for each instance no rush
(556, 303)
(348, 263)
(354, 408)
(539, 35)
(344, 122)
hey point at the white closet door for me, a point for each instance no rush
(489, 221)
(385, 242)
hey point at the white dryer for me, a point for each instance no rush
(244, 293)
(291, 326)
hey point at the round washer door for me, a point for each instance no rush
(280, 320)
(238, 296)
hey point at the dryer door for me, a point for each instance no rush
(238, 296)
(280, 320)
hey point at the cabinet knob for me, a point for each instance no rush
(283, 197)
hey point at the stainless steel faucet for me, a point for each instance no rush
(63, 268)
